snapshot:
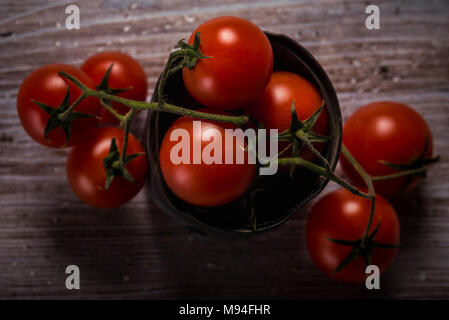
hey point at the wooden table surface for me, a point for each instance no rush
(136, 251)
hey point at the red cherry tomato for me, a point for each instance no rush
(239, 67)
(46, 86)
(343, 215)
(87, 175)
(205, 184)
(273, 106)
(387, 131)
(126, 72)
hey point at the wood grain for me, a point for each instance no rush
(136, 251)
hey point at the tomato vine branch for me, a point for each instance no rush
(400, 174)
(66, 114)
(111, 110)
(325, 172)
(165, 107)
(126, 123)
(369, 183)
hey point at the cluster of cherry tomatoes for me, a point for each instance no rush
(238, 74)
(385, 138)
(235, 72)
(44, 91)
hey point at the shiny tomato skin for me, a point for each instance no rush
(205, 185)
(87, 176)
(125, 73)
(273, 107)
(239, 67)
(46, 86)
(343, 215)
(387, 131)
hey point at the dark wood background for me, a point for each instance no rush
(136, 251)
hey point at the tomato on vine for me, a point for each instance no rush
(386, 138)
(204, 184)
(340, 216)
(44, 90)
(237, 67)
(93, 173)
(273, 107)
(126, 78)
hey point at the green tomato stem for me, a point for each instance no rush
(400, 174)
(369, 183)
(111, 110)
(323, 172)
(155, 106)
(65, 115)
(126, 124)
(301, 136)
